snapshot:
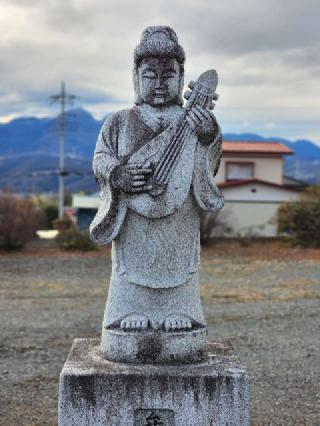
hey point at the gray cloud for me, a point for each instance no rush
(306, 57)
(265, 52)
(244, 27)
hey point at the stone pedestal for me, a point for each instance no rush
(94, 391)
(154, 347)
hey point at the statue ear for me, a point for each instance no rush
(137, 96)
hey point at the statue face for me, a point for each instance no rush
(159, 81)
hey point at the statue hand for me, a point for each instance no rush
(131, 178)
(203, 123)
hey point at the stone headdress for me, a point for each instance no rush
(161, 42)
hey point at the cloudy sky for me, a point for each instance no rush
(267, 54)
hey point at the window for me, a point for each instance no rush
(239, 171)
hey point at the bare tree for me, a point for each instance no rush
(19, 219)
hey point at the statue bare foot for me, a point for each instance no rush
(156, 324)
(177, 322)
(134, 322)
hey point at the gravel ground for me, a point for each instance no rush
(264, 299)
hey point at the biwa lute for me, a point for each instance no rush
(172, 155)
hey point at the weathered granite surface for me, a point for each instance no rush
(156, 163)
(154, 346)
(94, 391)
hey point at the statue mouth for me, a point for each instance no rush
(160, 93)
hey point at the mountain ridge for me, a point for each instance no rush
(29, 145)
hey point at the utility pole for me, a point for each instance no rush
(63, 98)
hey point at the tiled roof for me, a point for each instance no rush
(255, 147)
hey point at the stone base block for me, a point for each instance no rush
(94, 391)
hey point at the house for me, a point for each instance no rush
(87, 206)
(251, 177)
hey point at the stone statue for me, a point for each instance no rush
(155, 163)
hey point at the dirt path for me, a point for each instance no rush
(264, 298)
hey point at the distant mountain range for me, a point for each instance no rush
(29, 149)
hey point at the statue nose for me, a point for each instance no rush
(159, 82)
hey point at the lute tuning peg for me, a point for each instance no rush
(191, 84)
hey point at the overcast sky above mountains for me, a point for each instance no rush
(266, 54)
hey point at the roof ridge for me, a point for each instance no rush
(265, 147)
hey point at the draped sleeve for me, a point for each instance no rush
(111, 213)
(207, 161)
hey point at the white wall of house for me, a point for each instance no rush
(247, 213)
(269, 169)
(255, 219)
(85, 201)
(258, 192)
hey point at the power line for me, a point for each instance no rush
(63, 98)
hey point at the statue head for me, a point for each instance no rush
(158, 68)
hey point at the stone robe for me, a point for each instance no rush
(147, 252)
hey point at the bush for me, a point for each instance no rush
(212, 224)
(49, 207)
(300, 220)
(63, 224)
(247, 235)
(73, 239)
(19, 219)
(51, 213)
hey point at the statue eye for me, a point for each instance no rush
(149, 74)
(168, 75)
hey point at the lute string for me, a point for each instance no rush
(172, 154)
(166, 164)
(174, 141)
(173, 161)
(168, 150)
